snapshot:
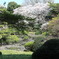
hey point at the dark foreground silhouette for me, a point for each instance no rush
(49, 50)
(15, 56)
(0, 53)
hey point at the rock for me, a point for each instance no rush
(49, 50)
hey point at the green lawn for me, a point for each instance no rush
(12, 54)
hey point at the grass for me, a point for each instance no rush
(12, 54)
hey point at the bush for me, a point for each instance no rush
(25, 38)
(29, 45)
(12, 39)
(38, 42)
(3, 40)
(49, 50)
(38, 32)
(0, 36)
(53, 27)
(45, 33)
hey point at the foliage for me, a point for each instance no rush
(12, 39)
(31, 33)
(38, 42)
(38, 32)
(2, 9)
(11, 6)
(45, 33)
(25, 38)
(19, 22)
(6, 31)
(9, 17)
(55, 7)
(29, 45)
(53, 27)
(54, 10)
(0, 36)
(3, 33)
(26, 32)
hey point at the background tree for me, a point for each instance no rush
(11, 6)
(53, 27)
(38, 11)
(54, 9)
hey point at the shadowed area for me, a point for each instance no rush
(49, 50)
(15, 56)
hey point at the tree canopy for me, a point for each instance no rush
(11, 6)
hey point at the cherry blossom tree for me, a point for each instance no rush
(37, 11)
(32, 2)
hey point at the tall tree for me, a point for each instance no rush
(11, 6)
(38, 11)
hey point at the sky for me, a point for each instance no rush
(17, 1)
(56, 1)
(7, 1)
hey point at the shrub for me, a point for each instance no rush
(12, 39)
(29, 45)
(0, 36)
(53, 27)
(25, 38)
(45, 33)
(31, 33)
(3, 39)
(38, 42)
(49, 50)
(38, 32)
